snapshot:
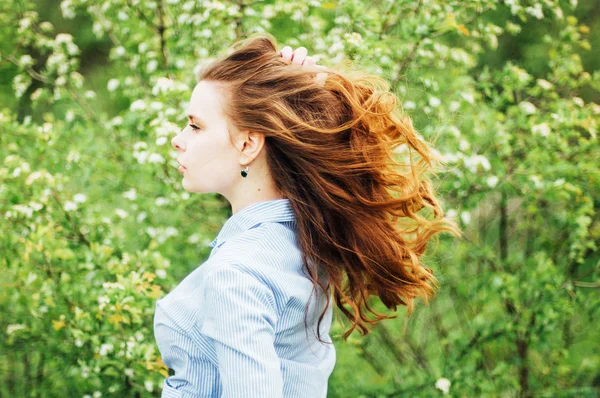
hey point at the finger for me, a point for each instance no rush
(299, 55)
(308, 61)
(286, 53)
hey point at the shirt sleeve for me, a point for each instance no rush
(240, 315)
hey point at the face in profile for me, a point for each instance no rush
(211, 162)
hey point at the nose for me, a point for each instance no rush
(174, 143)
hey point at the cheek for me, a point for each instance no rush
(213, 160)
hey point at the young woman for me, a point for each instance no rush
(318, 201)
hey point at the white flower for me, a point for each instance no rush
(336, 47)
(161, 201)
(10, 329)
(535, 11)
(141, 217)
(148, 385)
(129, 372)
(79, 198)
(578, 101)
(78, 343)
(102, 301)
(105, 349)
(409, 105)
(112, 85)
(63, 38)
(120, 51)
(137, 105)
(67, 9)
(36, 94)
(464, 145)
(156, 158)
(465, 216)
(559, 182)
(161, 141)
(469, 97)
(527, 107)
(161, 273)
(113, 285)
(26, 61)
(97, 394)
(139, 145)
(121, 213)
(69, 206)
(545, 84)
(443, 384)
(151, 66)
(162, 85)
(492, 181)
(434, 102)
(542, 129)
(193, 238)
(131, 194)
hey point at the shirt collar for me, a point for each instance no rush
(251, 216)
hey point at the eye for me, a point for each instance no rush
(194, 127)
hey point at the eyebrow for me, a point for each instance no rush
(197, 120)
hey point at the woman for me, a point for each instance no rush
(317, 197)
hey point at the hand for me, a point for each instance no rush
(298, 56)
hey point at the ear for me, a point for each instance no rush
(251, 143)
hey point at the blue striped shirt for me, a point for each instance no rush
(234, 327)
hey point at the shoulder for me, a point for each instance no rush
(236, 292)
(270, 247)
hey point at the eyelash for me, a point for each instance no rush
(194, 127)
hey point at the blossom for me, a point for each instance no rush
(542, 129)
(70, 206)
(112, 84)
(121, 213)
(79, 198)
(105, 349)
(156, 158)
(137, 105)
(148, 385)
(10, 329)
(131, 194)
(102, 301)
(527, 107)
(443, 384)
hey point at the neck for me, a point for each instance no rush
(252, 190)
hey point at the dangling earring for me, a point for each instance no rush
(245, 172)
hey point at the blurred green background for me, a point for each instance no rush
(96, 225)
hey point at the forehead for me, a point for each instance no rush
(206, 100)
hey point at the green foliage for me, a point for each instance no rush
(97, 226)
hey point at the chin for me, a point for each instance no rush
(192, 188)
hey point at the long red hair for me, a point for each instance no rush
(333, 149)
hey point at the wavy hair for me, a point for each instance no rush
(334, 149)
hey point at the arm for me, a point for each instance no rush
(240, 317)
